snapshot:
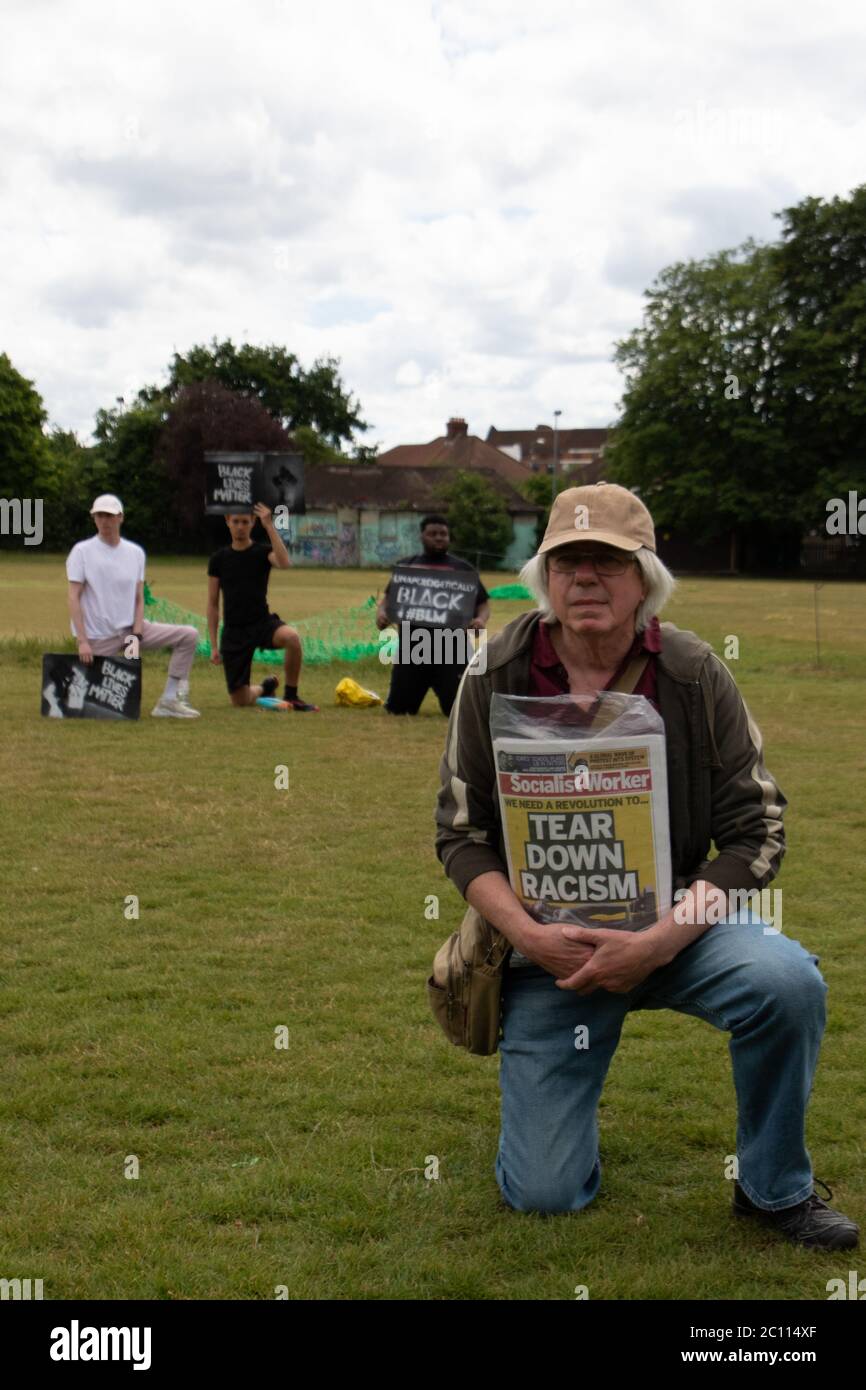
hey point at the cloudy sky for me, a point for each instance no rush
(463, 200)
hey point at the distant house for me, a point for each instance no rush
(457, 448)
(369, 514)
(581, 452)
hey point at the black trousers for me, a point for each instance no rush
(409, 685)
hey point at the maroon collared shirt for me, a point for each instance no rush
(548, 676)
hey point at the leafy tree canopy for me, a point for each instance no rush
(745, 387)
(477, 517)
(217, 396)
(22, 441)
(314, 398)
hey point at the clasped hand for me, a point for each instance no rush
(586, 959)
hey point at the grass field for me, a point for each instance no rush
(304, 1166)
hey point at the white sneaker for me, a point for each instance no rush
(174, 709)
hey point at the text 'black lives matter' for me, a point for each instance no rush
(108, 687)
(235, 481)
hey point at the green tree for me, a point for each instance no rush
(539, 491)
(745, 399)
(314, 448)
(698, 435)
(313, 398)
(364, 453)
(52, 466)
(202, 417)
(73, 475)
(477, 516)
(152, 455)
(217, 396)
(23, 450)
(821, 263)
(127, 437)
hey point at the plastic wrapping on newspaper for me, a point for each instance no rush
(582, 786)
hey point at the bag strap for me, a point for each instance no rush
(626, 683)
(631, 675)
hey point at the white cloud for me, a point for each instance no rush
(462, 200)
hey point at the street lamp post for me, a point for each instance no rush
(554, 488)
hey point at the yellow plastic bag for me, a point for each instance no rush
(349, 692)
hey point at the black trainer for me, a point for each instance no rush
(269, 684)
(812, 1222)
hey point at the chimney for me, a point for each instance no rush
(455, 427)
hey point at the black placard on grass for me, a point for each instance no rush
(108, 687)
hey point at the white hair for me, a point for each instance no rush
(658, 579)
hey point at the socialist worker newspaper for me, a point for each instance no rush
(586, 826)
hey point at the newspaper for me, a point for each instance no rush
(585, 823)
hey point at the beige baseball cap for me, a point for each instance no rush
(602, 512)
(107, 502)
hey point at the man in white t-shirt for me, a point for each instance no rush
(106, 607)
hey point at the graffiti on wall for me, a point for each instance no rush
(388, 537)
(319, 544)
(389, 552)
(379, 539)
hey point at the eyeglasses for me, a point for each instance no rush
(606, 562)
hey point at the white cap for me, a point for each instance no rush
(108, 503)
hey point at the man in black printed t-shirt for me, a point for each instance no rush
(410, 682)
(241, 572)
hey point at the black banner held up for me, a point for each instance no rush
(281, 483)
(434, 597)
(231, 482)
(109, 687)
(235, 481)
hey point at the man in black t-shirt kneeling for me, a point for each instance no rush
(410, 683)
(241, 571)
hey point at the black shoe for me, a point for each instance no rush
(812, 1222)
(303, 707)
(269, 684)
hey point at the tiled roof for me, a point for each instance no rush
(456, 451)
(396, 487)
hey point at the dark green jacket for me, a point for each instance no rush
(719, 790)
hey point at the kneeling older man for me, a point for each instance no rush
(599, 586)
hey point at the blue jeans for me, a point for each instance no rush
(763, 989)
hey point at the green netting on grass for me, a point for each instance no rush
(346, 634)
(510, 591)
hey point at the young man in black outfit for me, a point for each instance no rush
(410, 683)
(242, 570)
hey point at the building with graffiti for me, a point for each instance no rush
(368, 515)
